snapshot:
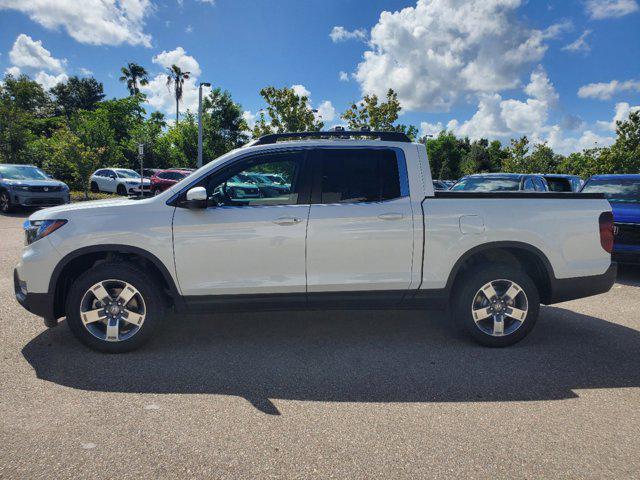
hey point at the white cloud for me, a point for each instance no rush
(606, 90)
(96, 22)
(30, 57)
(622, 111)
(250, 118)
(498, 118)
(440, 50)
(432, 129)
(49, 81)
(189, 29)
(27, 53)
(301, 91)
(343, 76)
(566, 145)
(326, 111)
(580, 44)
(599, 9)
(541, 88)
(85, 71)
(180, 58)
(341, 34)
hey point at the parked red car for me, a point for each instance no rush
(163, 179)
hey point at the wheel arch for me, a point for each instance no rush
(531, 259)
(78, 261)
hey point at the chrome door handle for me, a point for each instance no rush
(287, 221)
(391, 216)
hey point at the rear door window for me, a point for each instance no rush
(357, 175)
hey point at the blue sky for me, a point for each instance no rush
(493, 68)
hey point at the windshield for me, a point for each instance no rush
(127, 174)
(615, 189)
(19, 172)
(487, 184)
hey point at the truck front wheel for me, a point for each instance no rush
(497, 305)
(114, 307)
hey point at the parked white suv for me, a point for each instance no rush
(359, 226)
(122, 181)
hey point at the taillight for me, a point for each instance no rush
(606, 231)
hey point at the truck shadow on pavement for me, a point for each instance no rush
(359, 356)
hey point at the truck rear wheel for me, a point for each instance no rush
(497, 305)
(114, 307)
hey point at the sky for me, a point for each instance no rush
(559, 72)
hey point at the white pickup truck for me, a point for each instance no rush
(353, 224)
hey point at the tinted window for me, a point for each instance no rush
(487, 184)
(99, 173)
(236, 186)
(559, 184)
(358, 175)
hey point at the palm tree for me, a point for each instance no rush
(176, 77)
(134, 74)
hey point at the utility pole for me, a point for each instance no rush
(202, 84)
(141, 156)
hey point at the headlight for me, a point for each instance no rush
(37, 229)
(65, 188)
(20, 188)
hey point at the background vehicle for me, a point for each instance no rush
(360, 226)
(501, 182)
(163, 179)
(150, 172)
(122, 181)
(267, 187)
(440, 185)
(623, 193)
(563, 183)
(28, 186)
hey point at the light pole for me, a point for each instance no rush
(202, 84)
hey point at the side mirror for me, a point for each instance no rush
(196, 198)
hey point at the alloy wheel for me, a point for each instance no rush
(112, 310)
(499, 308)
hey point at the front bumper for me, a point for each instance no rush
(565, 289)
(40, 304)
(39, 199)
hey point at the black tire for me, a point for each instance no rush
(121, 190)
(150, 291)
(467, 288)
(94, 187)
(5, 202)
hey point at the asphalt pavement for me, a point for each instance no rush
(348, 395)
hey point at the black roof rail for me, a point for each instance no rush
(384, 136)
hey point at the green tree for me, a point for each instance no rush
(25, 114)
(287, 112)
(223, 126)
(445, 155)
(518, 151)
(134, 74)
(175, 80)
(77, 94)
(374, 115)
(68, 149)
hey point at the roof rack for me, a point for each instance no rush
(383, 136)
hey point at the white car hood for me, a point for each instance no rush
(93, 207)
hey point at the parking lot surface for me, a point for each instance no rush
(393, 394)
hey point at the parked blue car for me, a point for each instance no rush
(623, 192)
(28, 186)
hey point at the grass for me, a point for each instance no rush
(78, 196)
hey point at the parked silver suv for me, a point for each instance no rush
(28, 186)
